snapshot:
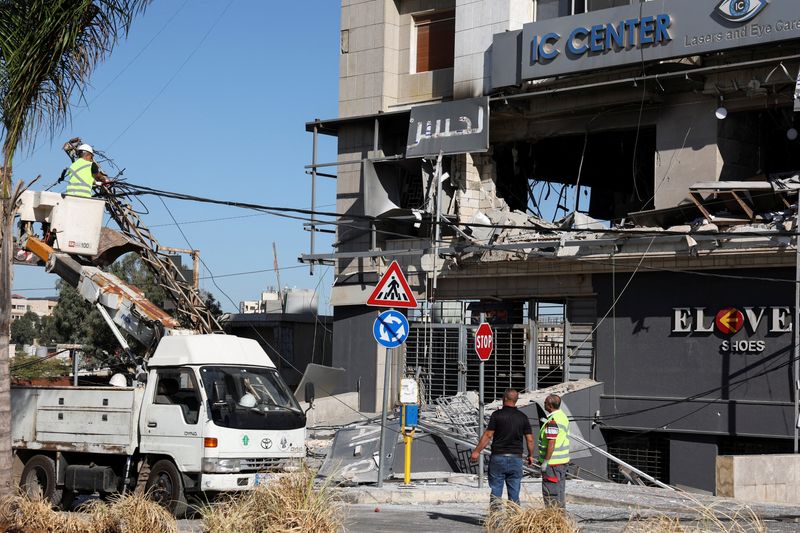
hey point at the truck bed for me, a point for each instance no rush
(78, 419)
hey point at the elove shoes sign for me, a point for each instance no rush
(729, 321)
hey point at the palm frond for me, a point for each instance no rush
(48, 50)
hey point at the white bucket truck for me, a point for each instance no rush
(200, 414)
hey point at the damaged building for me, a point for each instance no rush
(611, 184)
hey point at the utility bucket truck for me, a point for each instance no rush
(197, 412)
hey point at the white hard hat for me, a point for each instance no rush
(86, 148)
(248, 400)
(118, 380)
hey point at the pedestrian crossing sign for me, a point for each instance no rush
(392, 290)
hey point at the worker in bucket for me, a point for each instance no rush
(507, 428)
(554, 452)
(82, 173)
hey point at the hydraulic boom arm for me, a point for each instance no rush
(125, 305)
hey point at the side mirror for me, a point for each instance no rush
(309, 394)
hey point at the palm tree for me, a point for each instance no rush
(48, 49)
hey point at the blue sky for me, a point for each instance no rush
(210, 98)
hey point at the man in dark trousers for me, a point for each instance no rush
(554, 452)
(507, 428)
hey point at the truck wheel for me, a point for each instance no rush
(38, 479)
(165, 486)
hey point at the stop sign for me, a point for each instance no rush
(484, 341)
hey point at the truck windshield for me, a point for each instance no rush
(250, 398)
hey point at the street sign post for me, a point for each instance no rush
(390, 330)
(484, 344)
(409, 396)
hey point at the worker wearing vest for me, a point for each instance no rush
(554, 453)
(82, 173)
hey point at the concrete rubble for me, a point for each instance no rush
(736, 209)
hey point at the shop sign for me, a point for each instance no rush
(731, 320)
(637, 33)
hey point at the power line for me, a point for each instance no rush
(136, 57)
(255, 330)
(282, 211)
(247, 273)
(137, 190)
(217, 20)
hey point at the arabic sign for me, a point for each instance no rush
(457, 127)
(631, 34)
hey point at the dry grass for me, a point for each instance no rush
(659, 524)
(123, 514)
(708, 519)
(130, 513)
(290, 503)
(20, 514)
(512, 518)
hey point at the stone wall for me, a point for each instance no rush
(759, 478)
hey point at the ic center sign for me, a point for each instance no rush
(637, 33)
(730, 321)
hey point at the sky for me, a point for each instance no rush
(210, 98)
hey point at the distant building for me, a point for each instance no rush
(288, 326)
(41, 306)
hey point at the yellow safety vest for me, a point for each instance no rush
(561, 451)
(80, 178)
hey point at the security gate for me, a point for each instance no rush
(435, 352)
(450, 366)
(555, 344)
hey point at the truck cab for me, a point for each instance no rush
(217, 407)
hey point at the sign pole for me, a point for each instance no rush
(480, 421)
(386, 378)
(484, 342)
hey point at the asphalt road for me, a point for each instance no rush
(468, 518)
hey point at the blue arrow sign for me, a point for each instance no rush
(390, 329)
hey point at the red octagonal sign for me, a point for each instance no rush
(484, 341)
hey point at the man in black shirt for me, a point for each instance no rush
(506, 429)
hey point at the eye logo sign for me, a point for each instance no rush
(739, 11)
(729, 321)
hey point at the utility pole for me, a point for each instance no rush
(278, 276)
(195, 262)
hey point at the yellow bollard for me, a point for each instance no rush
(408, 437)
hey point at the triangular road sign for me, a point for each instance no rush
(392, 290)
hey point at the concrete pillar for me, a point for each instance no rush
(355, 350)
(476, 22)
(686, 145)
(476, 185)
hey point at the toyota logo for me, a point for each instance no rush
(266, 444)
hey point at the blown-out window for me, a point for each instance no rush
(435, 40)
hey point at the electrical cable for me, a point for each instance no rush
(217, 20)
(637, 234)
(142, 190)
(35, 362)
(255, 330)
(249, 272)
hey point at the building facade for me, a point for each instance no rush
(41, 306)
(664, 132)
